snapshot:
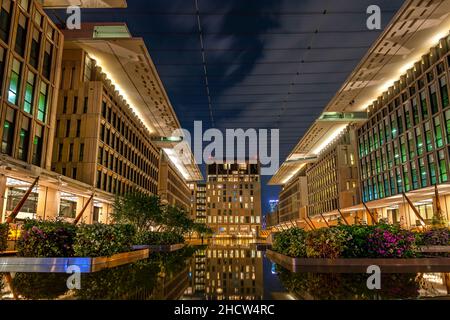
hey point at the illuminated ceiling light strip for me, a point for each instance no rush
(177, 162)
(330, 138)
(434, 41)
(293, 174)
(122, 92)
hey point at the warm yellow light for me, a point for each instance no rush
(178, 161)
(121, 92)
(333, 135)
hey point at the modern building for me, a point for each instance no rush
(30, 55)
(198, 202)
(333, 180)
(129, 117)
(234, 198)
(72, 136)
(401, 128)
(173, 188)
(293, 201)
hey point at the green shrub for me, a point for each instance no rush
(158, 238)
(99, 240)
(357, 247)
(46, 239)
(327, 243)
(4, 230)
(291, 243)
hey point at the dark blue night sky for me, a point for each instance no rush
(269, 64)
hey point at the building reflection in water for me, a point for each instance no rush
(226, 270)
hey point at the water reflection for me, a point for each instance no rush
(353, 286)
(226, 270)
(222, 270)
(163, 276)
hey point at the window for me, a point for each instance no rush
(67, 129)
(399, 180)
(444, 92)
(29, 93)
(432, 169)
(85, 106)
(394, 129)
(438, 133)
(78, 128)
(71, 152)
(35, 48)
(75, 105)
(37, 146)
(24, 137)
(14, 83)
(2, 66)
(47, 66)
(423, 104)
(433, 99)
(21, 35)
(5, 20)
(8, 131)
(407, 116)
(447, 125)
(403, 149)
(415, 110)
(423, 172)
(414, 175)
(60, 152)
(419, 140)
(400, 121)
(411, 145)
(428, 136)
(443, 172)
(42, 104)
(81, 157)
(406, 179)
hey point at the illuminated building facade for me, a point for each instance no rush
(405, 145)
(293, 198)
(234, 198)
(198, 202)
(71, 134)
(30, 55)
(99, 140)
(173, 188)
(333, 180)
(397, 106)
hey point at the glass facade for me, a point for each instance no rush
(405, 145)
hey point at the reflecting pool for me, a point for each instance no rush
(222, 270)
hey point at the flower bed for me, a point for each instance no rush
(379, 241)
(4, 230)
(54, 239)
(434, 237)
(46, 239)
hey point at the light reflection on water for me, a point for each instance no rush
(222, 270)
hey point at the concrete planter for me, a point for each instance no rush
(60, 265)
(434, 249)
(412, 265)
